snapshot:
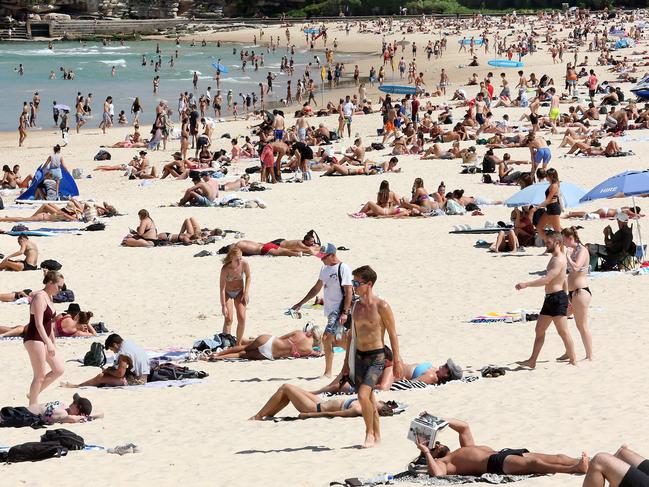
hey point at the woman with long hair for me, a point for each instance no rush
(578, 291)
(552, 205)
(38, 337)
(234, 288)
(387, 204)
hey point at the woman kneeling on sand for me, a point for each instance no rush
(297, 344)
(312, 406)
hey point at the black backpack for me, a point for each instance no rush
(19, 417)
(95, 227)
(33, 451)
(65, 438)
(95, 357)
(169, 371)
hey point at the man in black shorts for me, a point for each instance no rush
(472, 459)
(624, 469)
(365, 358)
(555, 305)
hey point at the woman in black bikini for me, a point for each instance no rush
(234, 288)
(39, 337)
(146, 234)
(552, 215)
(578, 291)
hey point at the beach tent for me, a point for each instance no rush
(67, 189)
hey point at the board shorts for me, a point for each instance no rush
(543, 156)
(479, 118)
(56, 173)
(333, 319)
(496, 462)
(555, 304)
(279, 134)
(301, 134)
(369, 366)
(203, 201)
(80, 118)
(637, 476)
(554, 113)
(348, 120)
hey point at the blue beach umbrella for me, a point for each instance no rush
(535, 195)
(220, 67)
(624, 185)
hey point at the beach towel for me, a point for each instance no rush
(407, 385)
(155, 385)
(58, 338)
(488, 478)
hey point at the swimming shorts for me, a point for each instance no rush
(534, 119)
(268, 247)
(348, 120)
(555, 304)
(301, 134)
(542, 156)
(80, 118)
(637, 476)
(496, 462)
(106, 117)
(56, 173)
(28, 267)
(279, 134)
(131, 380)
(203, 201)
(553, 209)
(369, 366)
(554, 113)
(333, 319)
(479, 118)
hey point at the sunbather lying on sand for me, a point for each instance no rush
(147, 234)
(296, 344)
(14, 296)
(279, 247)
(472, 459)
(48, 213)
(424, 372)
(79, 411)
(624, 469)
(72, 323)
(312, 406)
(631, 212)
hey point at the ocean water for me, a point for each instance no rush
(92, 63)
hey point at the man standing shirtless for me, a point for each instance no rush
(555, 305)
(29, 250)
(371, 318)
(472, 459)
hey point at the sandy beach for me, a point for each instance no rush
(165, 298)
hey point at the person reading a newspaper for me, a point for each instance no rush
(472, 459)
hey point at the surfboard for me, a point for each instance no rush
(398, 89)
(505, 63)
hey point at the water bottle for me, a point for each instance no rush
(523, 316)
(383, 478)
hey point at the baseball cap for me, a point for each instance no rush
(621, 216)
(328, 249)
(456, 370)
(73, 309)
(84, 405)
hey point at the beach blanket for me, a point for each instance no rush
(59, 338)
(407, 385)
(155, 385)
(488, 478)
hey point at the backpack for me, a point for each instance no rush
(64, 438)
(64, 296)
(95, 357)
(19, 417)
(169, 371)
(226, 340)
(95, 227)
(33, 451)
(51, 265)
(103, 155)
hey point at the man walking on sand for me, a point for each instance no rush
(336, 278)
(555, 305)
(371, 318)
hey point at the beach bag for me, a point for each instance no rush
(19, 417)
(64, 296)
(51, 265)
(96, 356)
(103, 155)
(65, 438)
(95, 227)
(169, 371)
(77, 173)
(226, 340)
(33, 451)
(90, 213)
(377, 146)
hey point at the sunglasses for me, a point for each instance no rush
(356, 283)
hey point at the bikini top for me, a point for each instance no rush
(59, 331)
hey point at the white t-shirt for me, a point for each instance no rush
(348, 109)
(333, 295)
(138, 357)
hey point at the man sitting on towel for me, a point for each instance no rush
(131, 366)
(472, 459)
(204, 192)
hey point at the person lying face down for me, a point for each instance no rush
(424, 372)
(472, 459)
(312, 406)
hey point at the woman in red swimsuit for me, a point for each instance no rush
(39, 337)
